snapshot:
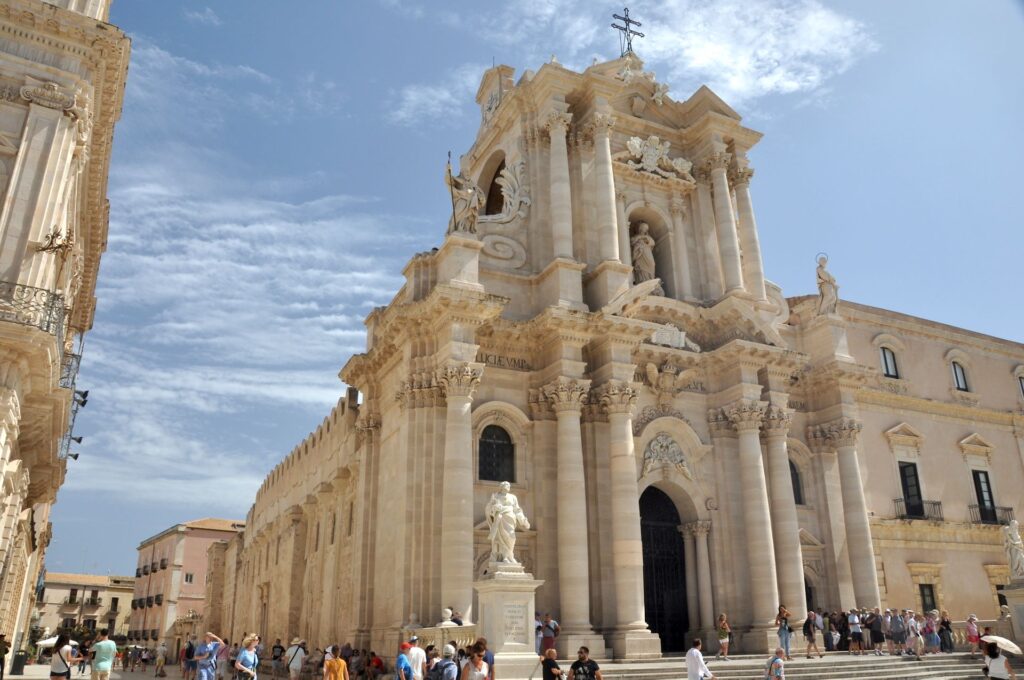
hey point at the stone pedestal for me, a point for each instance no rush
(608, 280)
(825, 338)
(506, 618)
(1014, 594)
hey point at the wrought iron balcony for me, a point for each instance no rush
(918, 509)
(92, 601)
(36, 307)
(72, 600)
(990, 514)
(69, 370)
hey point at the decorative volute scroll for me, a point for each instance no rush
(664, 451)
(651, 156)
(503, 248)
(515, 194)
(49, 95)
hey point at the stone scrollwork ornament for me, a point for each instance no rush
(515, 194)
(651, 155)
(663, 450)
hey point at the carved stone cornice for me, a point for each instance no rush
(616, 396)
(719, 423)
(459, 380)
(718, 161)
(745, 414)
(567, 395)
(777, 421)
(557, 122)
(50, 95)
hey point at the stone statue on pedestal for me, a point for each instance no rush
(467, 199)
(446, 618)
(1014, 547)
(642, 245)
(504, 516)
(828, 289)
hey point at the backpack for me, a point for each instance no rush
(768, 670)
(190, 651)
(437, 672)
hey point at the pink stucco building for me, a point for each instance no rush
(171, 577)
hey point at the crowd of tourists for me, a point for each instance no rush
(859, 632)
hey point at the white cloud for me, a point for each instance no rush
(205, 16)
(419, 103)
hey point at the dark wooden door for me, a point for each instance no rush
(664, 570)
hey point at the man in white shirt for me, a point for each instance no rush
(293, 657)
(696, 669)
(417, 658)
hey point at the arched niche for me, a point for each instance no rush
(678, 483)
(660, 229)
(487, 181)
(516, 423)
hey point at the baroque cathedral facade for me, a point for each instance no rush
(597, 329)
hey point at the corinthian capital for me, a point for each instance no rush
(616, 396)
(719, 161)
(745, 415)
(557, 122)
(742, 176)
(777, 421)
(719, 424)
(678, 207)
(843, 432)
(459, 380)
(567, 395)
(602, 123)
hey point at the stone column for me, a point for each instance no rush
(709, 241)
(707, 610)
(458, 382)
(567, 398)
(557, 125)
(728, 241)
(692, 586)
(785, 526)
(746, 416)
(753, 269)
(625, 252)
(605, 189)
(843, 435)
(685, 290)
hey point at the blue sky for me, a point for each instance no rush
(274, 168)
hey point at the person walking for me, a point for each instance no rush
(549, 633)
(973, 637)
(583, 668)
(784, 632)
(60, 664)
(417, 658)
(82, 653)
(810, 634)
(190, 659)
(276, 661)
(222, 660)
(776, 666)
(403, 669)
(336, 668)
(161, 661)
(997, 665)
(696, 669)
(723, 630)
(294, 656)
(538, 630)
(445, 668)
(103, 653)
(246, 662)
(914, 640)
(945, 633)
(549, 665)
(206, 656)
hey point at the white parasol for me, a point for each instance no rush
(50, 642)
(1002, 643)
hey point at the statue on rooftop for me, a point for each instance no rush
(828, 289)
(467, 199)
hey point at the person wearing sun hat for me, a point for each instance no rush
(973, 636)
(293, 658)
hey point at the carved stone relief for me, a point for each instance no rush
(664, 451)
(516, 195)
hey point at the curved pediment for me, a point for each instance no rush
(709, 327)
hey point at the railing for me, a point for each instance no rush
(72, 600)
(92, 601)
(990, 514)
(918, 509)
(69, 370)
(36, 307)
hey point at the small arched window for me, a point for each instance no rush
(798, 487)
(889, 367)
(960, 377)
(497, 455)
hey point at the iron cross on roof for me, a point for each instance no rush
(626, 39)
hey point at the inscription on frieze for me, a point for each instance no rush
(503, 361)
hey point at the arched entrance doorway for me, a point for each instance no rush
(664, 570)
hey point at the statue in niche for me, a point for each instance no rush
(467, 199)
(642, 244)
(1014, 550)
(504, 516)
(828, 289)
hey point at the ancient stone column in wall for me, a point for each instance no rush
(557, 125)
(605, 181)
(746, 416)
(458, 382)
(785, 526)
(725, 222)
(618, 399)
(690, 558)
(707, 610)
(843, 435)
(685, 284)
(753, 268)
(567, 398)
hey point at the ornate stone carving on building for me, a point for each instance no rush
(663, 451)
(651, 156)
(828, 289)
(777, 421)
(616, 397)
(644, 266)
(649, 414)
(49, 95)
(668, 381)
(504, 249)
(669, 335)
(459, 379)
(467, 198)
(745, 414)
(1014, 547)
(504, 516)
(567, 395)
(515, 195)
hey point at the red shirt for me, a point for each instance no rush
(377, 662)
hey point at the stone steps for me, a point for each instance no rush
(834, 666)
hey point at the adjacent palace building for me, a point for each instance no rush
(62, 76)
(597, 329)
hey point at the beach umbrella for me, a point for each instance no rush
(50, 642)
(1002, 643)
